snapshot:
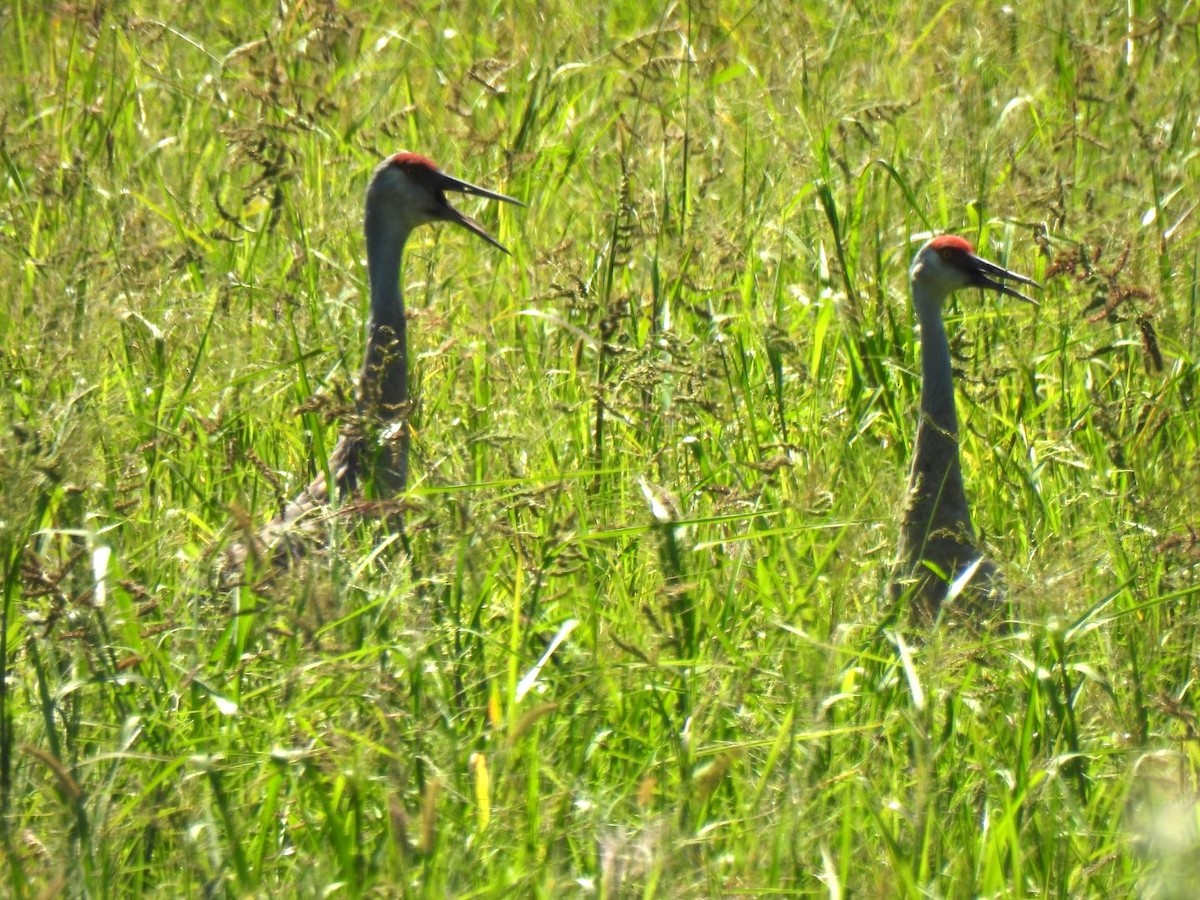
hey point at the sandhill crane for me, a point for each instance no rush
(937, 542)
(405, 191)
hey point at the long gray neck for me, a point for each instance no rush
(937, 379)
(936, 501)
(383, 387)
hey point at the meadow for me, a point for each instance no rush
(636, 638)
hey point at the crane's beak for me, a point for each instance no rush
(450, 214)
(984, 275)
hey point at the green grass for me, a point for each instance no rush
(667, 438)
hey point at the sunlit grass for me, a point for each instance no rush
(639, 643)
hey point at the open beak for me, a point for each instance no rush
(450, 214)
(985, 275)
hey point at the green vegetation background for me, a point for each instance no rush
(638, 643)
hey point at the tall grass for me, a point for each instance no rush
(636, 642)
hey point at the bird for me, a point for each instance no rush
(937, 548)
(406, 190)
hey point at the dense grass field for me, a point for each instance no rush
(636, 641)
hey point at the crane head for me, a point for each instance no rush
(414, 188)
(948, 262)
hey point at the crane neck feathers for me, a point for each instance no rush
(937, 376)
(385, 236)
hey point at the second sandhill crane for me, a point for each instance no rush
(937, 541)
(406, 190)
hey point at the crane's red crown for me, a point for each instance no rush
(414, 160)
(952, 242)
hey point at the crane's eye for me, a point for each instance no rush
(947, 254)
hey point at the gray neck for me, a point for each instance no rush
(936, 499)
(937, 379)
(383, 386)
